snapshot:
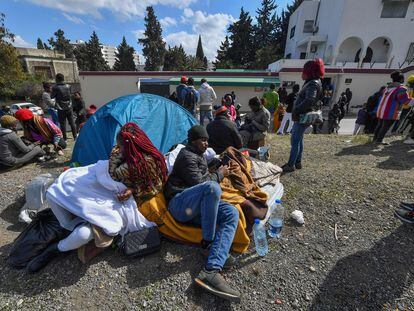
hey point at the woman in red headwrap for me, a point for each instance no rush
(136, 163)
(308, 100)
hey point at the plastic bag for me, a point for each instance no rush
(36, 237)
(36, 196)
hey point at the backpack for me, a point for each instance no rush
(190, 100)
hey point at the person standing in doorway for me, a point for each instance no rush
(61, 92)
(287, 118)
(348, 95)
(207, 98)
(392, 99)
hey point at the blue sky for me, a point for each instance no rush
(182, 20)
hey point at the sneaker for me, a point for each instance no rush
(41, 159)
(298, 165)
(409, 141)
(404, 215)
(213, 282)
(407, 206)
(287, 168)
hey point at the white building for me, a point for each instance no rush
(353, 33)
(109, 54)
(360, 41)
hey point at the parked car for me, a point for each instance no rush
(35, 109)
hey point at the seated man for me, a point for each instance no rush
(13, 152)
(194, 198)
(256, 124)
(222, 132)
(41, 130)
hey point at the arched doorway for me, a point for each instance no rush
(348, 50)
(380, 50)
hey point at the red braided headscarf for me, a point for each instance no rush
(136, 143)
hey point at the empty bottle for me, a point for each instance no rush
(276, 219)
(260, 240)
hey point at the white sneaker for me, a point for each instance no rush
(409, 141)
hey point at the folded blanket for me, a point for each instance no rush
(89, 194)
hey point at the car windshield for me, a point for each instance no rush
(28, 106)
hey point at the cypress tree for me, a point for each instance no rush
(154, 47)
(40, 45)
(95, 59)
(200, 52)
(124, 57)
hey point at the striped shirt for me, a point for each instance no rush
(391, 101)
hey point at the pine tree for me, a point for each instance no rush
(95, 59)
(40, 45)
(266, 23)
(265, 56)
(194, 63)
(241, 36)
(223, 60)
(61, 44)
(175, 59)
(81, 55)
(154, 47)
(124, 57)
(11, 71)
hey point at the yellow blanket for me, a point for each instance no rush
(156, 210)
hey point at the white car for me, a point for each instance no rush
(32, 107)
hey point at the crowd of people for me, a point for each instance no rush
(38, 131)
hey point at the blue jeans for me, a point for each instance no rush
(204, 114)
(54, 116)
(296, 141)
(200, 205)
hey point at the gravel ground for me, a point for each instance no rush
(344, 184)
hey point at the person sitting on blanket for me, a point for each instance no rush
(223, 132)
(194, 197)
(13, 151)
(86, 200)
(40, 130)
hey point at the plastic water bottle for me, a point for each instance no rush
(276, 219)
(260, 240)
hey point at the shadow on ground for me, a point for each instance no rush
(400, 156)
(367, 280)
(11, 215)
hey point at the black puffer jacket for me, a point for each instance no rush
(190, 169)
(308, 98)
(223, 134)
(61, 92)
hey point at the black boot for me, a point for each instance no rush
(43, 259)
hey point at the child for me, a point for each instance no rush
(361, 120)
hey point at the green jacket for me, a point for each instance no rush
(272, 101)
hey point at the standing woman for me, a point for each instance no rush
(306, 102)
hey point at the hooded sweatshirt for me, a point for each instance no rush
(10, 146)
(207, 96)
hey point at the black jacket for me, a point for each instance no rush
(79, 107)
(61, 92)
(290, 101)
(223, 134)
(308, 98)
(190, 169)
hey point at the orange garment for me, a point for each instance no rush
(278, 117)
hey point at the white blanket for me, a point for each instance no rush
(89, 194)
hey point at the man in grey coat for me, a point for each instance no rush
(13, 151)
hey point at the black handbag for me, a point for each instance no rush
(140, 243)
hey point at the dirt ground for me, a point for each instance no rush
(345, 184)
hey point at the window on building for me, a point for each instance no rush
(302, 55)
(410, 54)
(289, 56)
(308, 26)
(43, 71)
(395, 8)
(292, 32)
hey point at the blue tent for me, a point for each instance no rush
(165, 122)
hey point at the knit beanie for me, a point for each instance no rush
(197, 132)
(7, 121)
